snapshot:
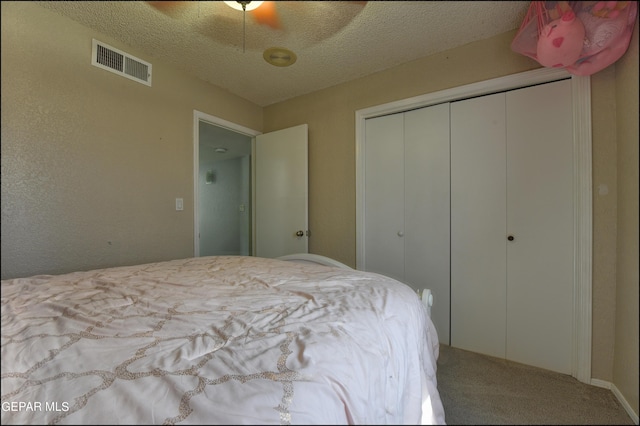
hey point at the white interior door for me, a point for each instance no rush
(512, 267)
(281, 192)
(427, 208)
(540, 220)
(478, 224)
(406, 199)
(384, 196)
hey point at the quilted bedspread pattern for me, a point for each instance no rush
(217, 340)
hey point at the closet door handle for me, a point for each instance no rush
(510, 238)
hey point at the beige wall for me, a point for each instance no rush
(625, 361)
(90, 158)
(604, 221)
(92, 162)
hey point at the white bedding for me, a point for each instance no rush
(217, 340)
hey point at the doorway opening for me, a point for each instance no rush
(223, 196)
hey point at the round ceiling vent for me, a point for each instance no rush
(279, 56)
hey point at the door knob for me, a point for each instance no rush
(510, 238)
(400, 233)
(299, 233)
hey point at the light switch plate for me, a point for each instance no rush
(179, 204)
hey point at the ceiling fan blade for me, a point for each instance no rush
(170, 8)
(267, 15)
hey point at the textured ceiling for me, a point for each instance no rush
(335, 41)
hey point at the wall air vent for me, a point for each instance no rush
(114, 60)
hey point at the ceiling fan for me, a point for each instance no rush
(294, 24)
(264, 12)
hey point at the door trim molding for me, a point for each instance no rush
(217, 121)
(582, 153)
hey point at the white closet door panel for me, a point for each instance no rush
(540, 218)
(478, 218)
(427, 212)
(384, 196)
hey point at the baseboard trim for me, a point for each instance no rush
(608, 385)
(601, 383)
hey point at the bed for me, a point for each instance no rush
(218, 340)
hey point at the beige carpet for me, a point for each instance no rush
(478, 389)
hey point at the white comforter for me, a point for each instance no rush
(217, 340)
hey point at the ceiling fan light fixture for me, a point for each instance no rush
(244, 5)
(279, 56)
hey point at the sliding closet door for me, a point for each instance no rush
(427, 239)
(384, 196)
(478, 218)
(540, 220)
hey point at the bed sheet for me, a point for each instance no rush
(217, 340)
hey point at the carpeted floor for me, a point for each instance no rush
(478, 389)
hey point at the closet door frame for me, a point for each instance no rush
(582, 210)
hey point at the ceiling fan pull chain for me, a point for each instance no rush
(244, 22)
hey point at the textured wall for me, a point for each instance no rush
(625, 367)
(603, 115)
(92, 162)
